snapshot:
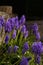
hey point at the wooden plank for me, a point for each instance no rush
(7, 9)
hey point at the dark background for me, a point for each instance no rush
(33, 9)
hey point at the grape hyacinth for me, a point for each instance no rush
(36, 47)
(14, 34)
(24, 61)
(16, 23)
(38, 59)
(2, 21)
(35, 27)
(26, 34)
(0, 27)
(12, 22)
(23, 30)
(9, 49)
(6, 39)
(35, 31)
(8, 27)
(25, 47)
(42, 48)
(22, 20)
(38, 36)
(17, 46)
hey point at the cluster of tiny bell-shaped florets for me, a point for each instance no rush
(37, 46)
(14, 33)
(12, 24)
(9, 30)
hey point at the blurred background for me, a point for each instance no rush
(33, 9)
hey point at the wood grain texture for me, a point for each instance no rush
(7, 9)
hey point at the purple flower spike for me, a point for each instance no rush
(38, 36)
(25, 47)
(23, 30)
(16, 23)
(42, 49)
(15, 48)
(9, 49)
(22, 20)
(12, 22)
(37, 60)
(24, 61)
(35, 27)
(26, 34)
(16, 18)
(2, 21)
(36, 48)
(6, 39)
(8, 27)
(0, 27)
(14, 34)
